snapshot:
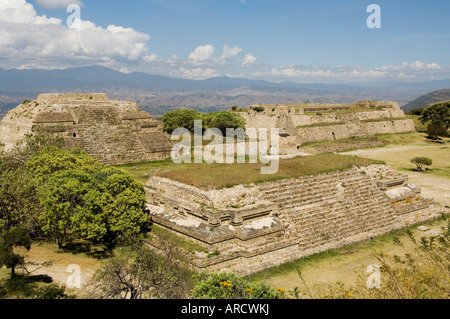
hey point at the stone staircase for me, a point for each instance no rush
(329, 206)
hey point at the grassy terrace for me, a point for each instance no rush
(321, 124)
(218, 176)
(348, 110)
(384, 119)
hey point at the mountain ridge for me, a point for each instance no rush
(160, 93)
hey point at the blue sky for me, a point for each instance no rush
(276, 40)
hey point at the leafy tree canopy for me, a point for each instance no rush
(223, 120)
(180, 118)
(52, 159)
(185, 119)
(437, 113)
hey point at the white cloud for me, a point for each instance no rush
(414, 71)
(27, 39)
(58, 4)
(249, 60)
(197, 73)
(202, 53)
(228, 52)
(413, 66)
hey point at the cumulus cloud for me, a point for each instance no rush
(413, 66)
(407, 70)
(58, 4)
(202, 53)
(249, 60)
(196, 73)
(228, 52)
(33, 40)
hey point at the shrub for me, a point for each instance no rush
(225, 285)
(434, 130)
(234, 107)
(420, 162)
(417, 111)
(258, 109)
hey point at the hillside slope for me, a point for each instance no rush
(433, 97)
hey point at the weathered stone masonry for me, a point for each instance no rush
(259, 226)
(314, 122)
(114, 132)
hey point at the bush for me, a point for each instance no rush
(420, 162)
(26, 287)
(230, 286)
(258, 109)
(422, 274)
(417, 111)
(435, 130)
(234, 107)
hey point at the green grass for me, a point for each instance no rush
(412, 138)
(218, 176)
(338, 142)
(321, 124)
(419, 125)
(349, 110)
(385, 119)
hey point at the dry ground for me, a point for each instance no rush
(323, 271)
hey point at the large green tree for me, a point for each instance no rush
(19, 201)
(15, 237)
(437, 114)
(62, 196)
(81, 197)
(183, 118)
(52, 159)
(223, 120)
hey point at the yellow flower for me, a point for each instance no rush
(281, 289)
(349, 295)
(249, 290)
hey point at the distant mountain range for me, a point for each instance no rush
(159, 94)
(427, 99)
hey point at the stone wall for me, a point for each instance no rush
(314, 122)
(277, 222)
(114, 132)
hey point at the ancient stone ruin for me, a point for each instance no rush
(114, 132)
(257, 226)
(314, 122)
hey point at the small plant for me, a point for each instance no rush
(213, 254)
(420, 162)
(234, 107)
(258, 109)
